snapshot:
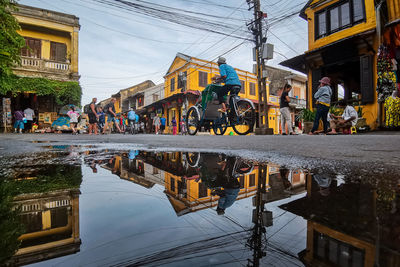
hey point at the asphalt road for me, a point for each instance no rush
(379, 153)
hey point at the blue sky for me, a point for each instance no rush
(119, 48)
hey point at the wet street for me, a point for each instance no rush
(94, 205)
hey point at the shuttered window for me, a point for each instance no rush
(172, 85)
(33, 48)
(58, 51)
(252, 89)
(203, 79)
(242, 89)
(366, 79)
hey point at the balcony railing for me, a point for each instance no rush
(298, 103)
(44, 64)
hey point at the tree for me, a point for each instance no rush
(10, 41)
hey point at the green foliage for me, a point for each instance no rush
(11, 226)
(307, 115)
(64, 92)
(11, 42)
(54, 178)
(335, 110)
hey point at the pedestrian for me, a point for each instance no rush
(131, 119)
(323, 100)
(162, 122)
(174, 128)
(93, 117)
(19, 121)
(183, 125)
(29, 115)
(102, 118)
(157, 123)
(111, 116)
(286, 118)
(73, 118)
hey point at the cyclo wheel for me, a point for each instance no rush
(192, 121)
(219, 126)
(243, 123)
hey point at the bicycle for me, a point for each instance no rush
(240, 115)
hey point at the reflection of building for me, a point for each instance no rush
(52, 225)
(348, 225)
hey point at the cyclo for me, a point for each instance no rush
(240, 115)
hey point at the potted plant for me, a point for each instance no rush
(307, 116)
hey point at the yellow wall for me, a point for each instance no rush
(369, 24)
(393, 9)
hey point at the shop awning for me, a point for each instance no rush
(296, 63)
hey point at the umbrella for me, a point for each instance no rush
(64, 110)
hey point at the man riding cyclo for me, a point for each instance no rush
(228, 76)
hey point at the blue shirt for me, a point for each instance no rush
(230, 73)
(131, 115)
(163, 121)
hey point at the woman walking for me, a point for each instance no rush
(323, 97)
(73, 118)
(173, 122)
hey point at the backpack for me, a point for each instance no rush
(86, 108)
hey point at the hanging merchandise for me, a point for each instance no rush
(386, 83)
(392, 112)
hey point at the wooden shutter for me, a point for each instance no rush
(203, 78)
(366, 79)
(58, 51)
(242, 90)
(252, 89)
(315, 77)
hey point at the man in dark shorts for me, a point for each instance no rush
(163, 121)
(231, 80)
(109, 109)
(93, 117)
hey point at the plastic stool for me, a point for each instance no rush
(353, 130)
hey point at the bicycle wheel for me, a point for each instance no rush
(219, 126)
(192, 120)
(243, 123)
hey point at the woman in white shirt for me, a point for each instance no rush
(73, 118)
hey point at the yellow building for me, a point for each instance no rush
(343, 43)
(188, 76)
(52, 225)
(51, 52)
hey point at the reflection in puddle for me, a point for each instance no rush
(173, 208)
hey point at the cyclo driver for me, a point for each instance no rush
(228, 76)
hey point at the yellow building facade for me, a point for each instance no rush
(189, 76)
(53, 39)
(343, 44)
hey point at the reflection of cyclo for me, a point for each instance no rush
(240, 115)
(216, 170)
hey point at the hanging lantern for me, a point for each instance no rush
(180, 100)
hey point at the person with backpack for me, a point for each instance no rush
(93, 117)
(19, 121)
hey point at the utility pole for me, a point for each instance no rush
(259, 57)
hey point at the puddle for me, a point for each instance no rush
(42, 141)
(83, 207)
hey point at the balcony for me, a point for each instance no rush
(44, 65)
(297, 103)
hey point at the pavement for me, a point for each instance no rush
(377, 153)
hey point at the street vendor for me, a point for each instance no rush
(230, 78)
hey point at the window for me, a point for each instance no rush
(241, 181)
(182, 80)
(203, 78)
(58, 51)
(172, 85)
(33, 48)
(358, 7)
(203, 190)
(140, 101)
(338, 17)
(242, 89)
(172, 184)
(336, 252)
(252, 180)
(252, 89)
(155, 97)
